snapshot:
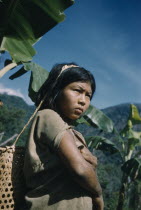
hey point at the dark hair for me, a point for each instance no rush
(56, 82)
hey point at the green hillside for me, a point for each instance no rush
(15, 112)
(119, 114)
(13, 116)
(17, 103)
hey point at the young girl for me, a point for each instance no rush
(60, 171)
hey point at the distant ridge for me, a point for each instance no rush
(14, 114)
(119, 113)
(14, 101)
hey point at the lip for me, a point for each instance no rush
(79, 110)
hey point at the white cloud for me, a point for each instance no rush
(14, 92)
(11, 91)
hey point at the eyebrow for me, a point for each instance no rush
(90, 92)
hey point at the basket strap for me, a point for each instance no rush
(32, 116)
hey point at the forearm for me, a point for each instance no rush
(81, 170)
(88, 180)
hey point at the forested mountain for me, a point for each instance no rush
(119, 114)
(15, 112)
(17, 103)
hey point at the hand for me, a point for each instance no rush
(87, 155)
(98, 203)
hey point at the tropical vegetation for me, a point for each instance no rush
(126, 146)
(108, 147)
(20, 29)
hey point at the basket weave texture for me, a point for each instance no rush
(12, 183)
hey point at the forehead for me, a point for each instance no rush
(83, 85)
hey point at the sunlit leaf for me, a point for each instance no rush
(98, 119)
(133, 137)
(134, 115)
(133, 119)
(20, 50)
(24, 22)
(38, 77)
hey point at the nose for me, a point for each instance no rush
(82, 100)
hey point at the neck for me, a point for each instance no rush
(67, 120)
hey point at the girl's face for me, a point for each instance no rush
(74, 100)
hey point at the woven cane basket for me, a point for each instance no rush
(12, 184)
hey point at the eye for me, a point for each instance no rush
(77, 90)
(88, 95)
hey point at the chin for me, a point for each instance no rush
(76, 117)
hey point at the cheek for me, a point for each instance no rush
(65, 103)
(70, 98)
(87, 104)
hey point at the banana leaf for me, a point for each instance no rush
(130, 133)
(19, 73)
(97, 118)
(134, 115)
(37, 78)
(81, 120)
(101, 143)
(132, 168)
(23, 23)
(133, 142)
(133, 119)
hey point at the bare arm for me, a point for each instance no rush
(81, 170)
(87, 155)
(98, 203)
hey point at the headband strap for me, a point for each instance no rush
(66, 67)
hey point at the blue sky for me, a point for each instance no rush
(104, 36)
